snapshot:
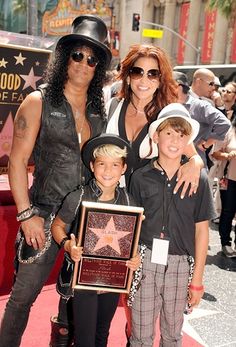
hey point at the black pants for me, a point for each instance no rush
(93, 314)
(228, 200)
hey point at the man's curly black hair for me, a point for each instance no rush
(56, 76)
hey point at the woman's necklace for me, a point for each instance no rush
(137, 110)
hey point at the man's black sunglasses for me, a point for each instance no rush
(79, 56)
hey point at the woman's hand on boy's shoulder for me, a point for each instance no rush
(188, 176)
(72, 248)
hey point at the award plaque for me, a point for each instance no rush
(109, 236)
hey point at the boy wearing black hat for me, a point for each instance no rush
(106, 155)
(175, 231)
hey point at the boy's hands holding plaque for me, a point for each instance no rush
(74, 251)
(134, 263)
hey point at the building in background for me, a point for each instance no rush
(210, 37)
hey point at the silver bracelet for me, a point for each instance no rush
(26, 214)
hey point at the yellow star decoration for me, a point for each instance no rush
(19, 59)
(3, 63)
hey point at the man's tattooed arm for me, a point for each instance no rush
(20, 126)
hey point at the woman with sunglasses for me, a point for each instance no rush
(53, 123)
(147, 87)
(228, 94)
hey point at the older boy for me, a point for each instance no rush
(174, 230)
(106, 156)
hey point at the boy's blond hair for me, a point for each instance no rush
(111, 151)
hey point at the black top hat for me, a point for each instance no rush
(90, 30)
(181, 78)
(105, 139)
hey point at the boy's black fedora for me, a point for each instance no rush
(90, 30)
(105, 139)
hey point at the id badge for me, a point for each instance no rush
(160, 248)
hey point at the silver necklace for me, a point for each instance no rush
(135, 108)
(79, 132)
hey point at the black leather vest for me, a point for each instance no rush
(58, 165)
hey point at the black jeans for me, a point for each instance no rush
(228, 200)
(29, 281)
(93, 314)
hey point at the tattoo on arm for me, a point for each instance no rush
(20, 126)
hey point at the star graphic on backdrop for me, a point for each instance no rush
(37, 63)
(19, 59)
(197, 313)
(3, 63)
(109, 236)
(6, 136)
(30, 79)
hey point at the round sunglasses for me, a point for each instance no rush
(79, 56)
(137, 73)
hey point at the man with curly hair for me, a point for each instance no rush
(53, 123)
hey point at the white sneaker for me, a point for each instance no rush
(228, 251)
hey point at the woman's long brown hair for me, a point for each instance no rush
(165, 94)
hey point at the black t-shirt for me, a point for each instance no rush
(152, 190)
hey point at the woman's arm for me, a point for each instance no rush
(189, 173)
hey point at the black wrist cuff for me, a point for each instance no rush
(63, 241)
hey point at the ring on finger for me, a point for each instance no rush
(32, 240)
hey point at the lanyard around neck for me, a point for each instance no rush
(166, 205)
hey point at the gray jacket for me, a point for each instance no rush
(213, 123)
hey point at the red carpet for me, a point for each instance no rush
(38, 329)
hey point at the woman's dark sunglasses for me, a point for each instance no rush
(79, 56)
(137, 73)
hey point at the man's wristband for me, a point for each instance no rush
(26, 214)
(63, 241)
(196, 288)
